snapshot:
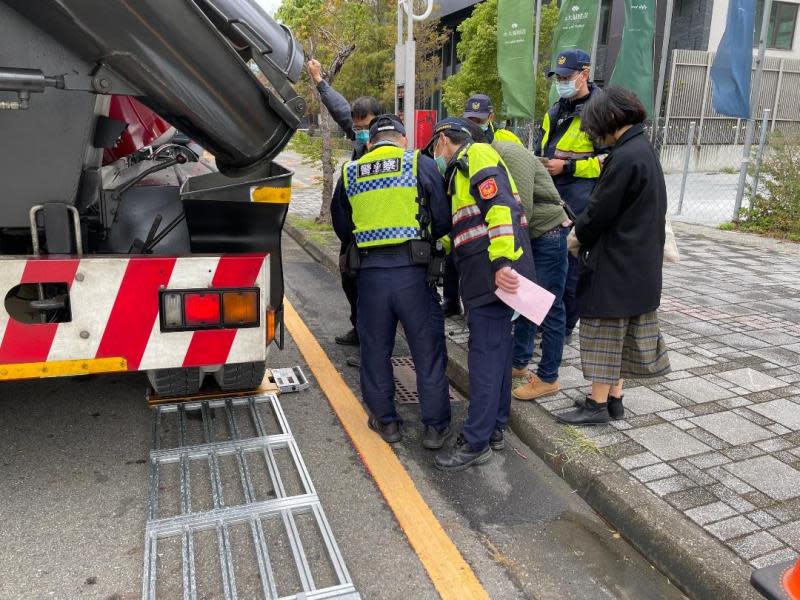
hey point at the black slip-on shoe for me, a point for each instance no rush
(615, 408)
(591, 413)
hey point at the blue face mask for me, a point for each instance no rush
(485, 126)
(362, 136)
(442, 164)
(566, 89)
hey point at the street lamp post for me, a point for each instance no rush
(405, 68)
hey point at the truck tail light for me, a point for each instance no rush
(201, 309)
(270, 324)
(172, 310)
(190, 310)
(240, 308)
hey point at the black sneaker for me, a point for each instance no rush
(615, 408)
(434, 440)
(451, 309)
(461, 456)
(497, 442)
(348, 339)
(390, 432)
(591, 413)
(354, 361)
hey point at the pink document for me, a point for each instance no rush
(531, 301)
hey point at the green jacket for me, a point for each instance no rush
(536, 189)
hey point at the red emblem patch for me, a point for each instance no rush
(488, 189)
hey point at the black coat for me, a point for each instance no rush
(622, 233)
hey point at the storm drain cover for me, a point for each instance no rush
(405, 382)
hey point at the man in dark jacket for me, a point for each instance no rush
(354, 120)
(573, 160)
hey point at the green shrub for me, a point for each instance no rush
(775, 209)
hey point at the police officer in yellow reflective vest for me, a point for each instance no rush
(490, 245)
(396, 207)
(479, 110)
(573, 161)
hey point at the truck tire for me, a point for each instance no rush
(176, 382)
(240, 376)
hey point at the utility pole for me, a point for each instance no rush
(751, 123)
(662, 69)
(405, 67)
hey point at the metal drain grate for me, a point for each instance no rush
(233, 512)
(405, 382)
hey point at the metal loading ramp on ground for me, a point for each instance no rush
(233, 512)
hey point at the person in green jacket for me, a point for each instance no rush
(548, 225)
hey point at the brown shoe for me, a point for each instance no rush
(535, 388)
(520, 373)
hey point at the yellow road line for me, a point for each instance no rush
(450, 573)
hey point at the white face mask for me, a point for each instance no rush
(566, 89)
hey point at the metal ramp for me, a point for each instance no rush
(232, 509)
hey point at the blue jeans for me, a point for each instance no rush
(550, 259)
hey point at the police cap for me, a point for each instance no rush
(384, 123)
(570, 61)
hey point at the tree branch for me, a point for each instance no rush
(338, 62)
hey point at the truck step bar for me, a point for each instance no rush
(227, 474)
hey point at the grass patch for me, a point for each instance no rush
(729, 170)
(310, 224)
(574, 444)
(727, 226)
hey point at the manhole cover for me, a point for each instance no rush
(405, 382)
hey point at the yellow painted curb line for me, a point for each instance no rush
(450, 573)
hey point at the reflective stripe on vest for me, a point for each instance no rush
(381, 187)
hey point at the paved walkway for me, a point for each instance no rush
(719, 437)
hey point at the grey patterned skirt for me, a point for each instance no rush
(622, 348)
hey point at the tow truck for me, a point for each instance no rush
(141, 210)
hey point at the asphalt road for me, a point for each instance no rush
(73, 491)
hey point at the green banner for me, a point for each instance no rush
(634, 65)
(515, 37)
(577, 23)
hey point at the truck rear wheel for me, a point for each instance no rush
(176, 382)
(240, 376)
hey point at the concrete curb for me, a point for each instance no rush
(698, 565)
(741, 238)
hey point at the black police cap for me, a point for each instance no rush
(384, 123)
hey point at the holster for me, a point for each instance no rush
(350, 261)
(436, 266)
(420, 252)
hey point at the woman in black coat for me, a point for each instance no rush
(621, 237)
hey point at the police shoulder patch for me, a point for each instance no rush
(488, 189)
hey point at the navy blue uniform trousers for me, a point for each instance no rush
(489, 361)
(386, 296)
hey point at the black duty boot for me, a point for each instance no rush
(434, 440)
(615, 408)
(348, 339)
(497, 441)
(390, 432)
(461, 456)
(591, 413)
(354, 361)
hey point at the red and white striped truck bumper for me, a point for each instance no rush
(115, 323)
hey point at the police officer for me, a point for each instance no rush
(478, 109)
(573, 161)
(395, 207)
(490, 246)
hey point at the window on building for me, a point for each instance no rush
(605, 21)
(782, 21)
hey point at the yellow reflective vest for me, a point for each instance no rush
(382, 189)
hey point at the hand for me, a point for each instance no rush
(314, 69)
(555, 166)
(573, 245)
(506, 279)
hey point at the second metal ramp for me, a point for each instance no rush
(233, 512)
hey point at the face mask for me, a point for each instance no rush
(441, 163)
(485, 126)
(362, 136)
(566, 89)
